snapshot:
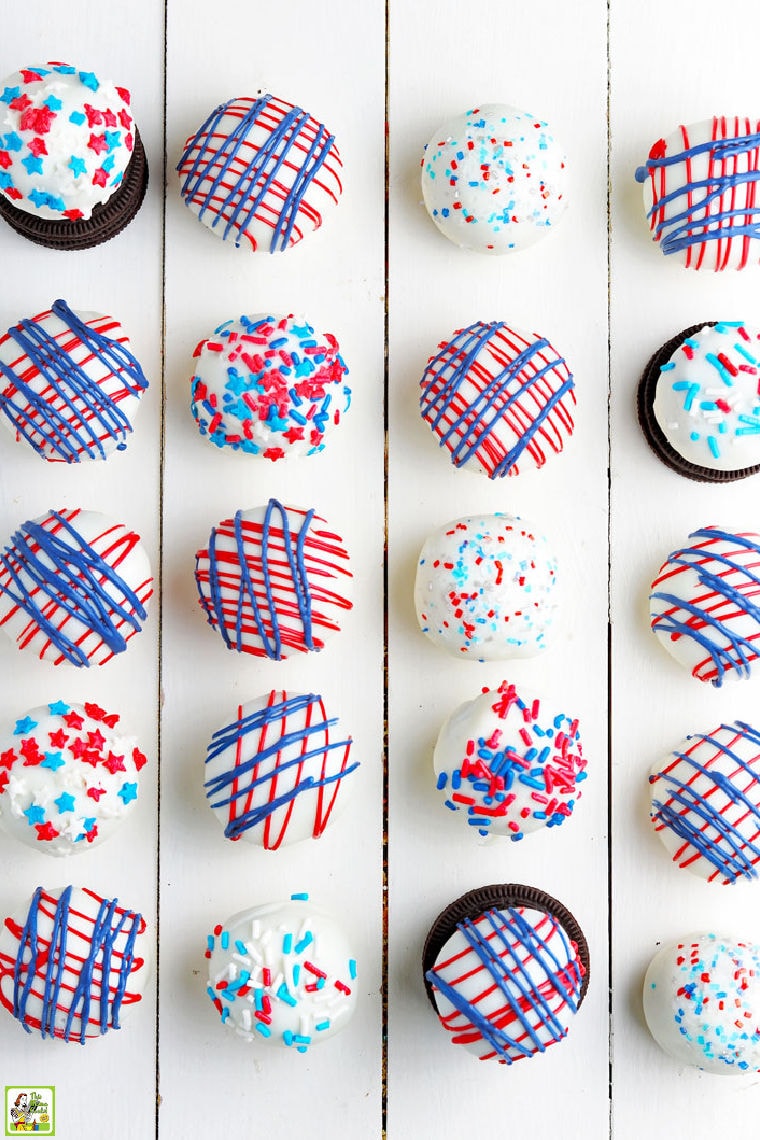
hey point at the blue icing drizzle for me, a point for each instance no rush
(87, 413)
(250, 188)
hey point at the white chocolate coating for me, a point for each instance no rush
(507, 984)
(704, 604)
(486, 588)
(494, 179)
(700, 193)
(269, 385)
(275, 774)
(707, 402)
(74, 586)
(68, 776)
(282, 973)
(507, 766)
(68, 138)
(84, 990)
(261, 173)
(702, 1003)
(705, 803)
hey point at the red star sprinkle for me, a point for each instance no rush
(21, 103)
(114, 764)
(4, 780)
(138, 759)
(94, 116)
(46, 831)
(100, 177)
(124, 94)
(30, 750)
(37, 147)
(97, 143)
(96, 793)
(92, 834)
(91, 756)
(37, 119)
(125, 120)
(8, 759)
(96, 739)
(73, 215)
(94, 712)
(5, 160)
(31, 76)
(58, 738)
(12, 192)
(73, 720)
(77, 747)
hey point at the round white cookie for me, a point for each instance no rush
(282, 973)
(494, 179)
(702, 1003)
(486, 588)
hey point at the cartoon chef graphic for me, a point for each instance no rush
(20, 1114)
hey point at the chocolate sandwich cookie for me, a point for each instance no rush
(698, 402)
(506, 967)
(73, 171)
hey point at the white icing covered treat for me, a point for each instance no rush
(74, 586)
(269, 385)
(702, 1003)
(704, 604)
(274, 773)
(486, 588)
(700, 193)
(494, 179)
(707, 402)
(261, 173)
(69, 384)
(72, 964)
(66, 138)
(706, 803)
(68, 776)
(282, 973)
(507, 765)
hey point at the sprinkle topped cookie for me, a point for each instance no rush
(269, 385)
(68, 775)
(699, 402)
(700, 193)
(69, 385)
(706, 803)
(274, 581)
(498, 399)
(494, 179)
(74, 586)
(67, 141)
(261, 173)
(73, 964)
(702, 1003)
(485, 588)
(507, 766)
(274, 773)
(283, 974)
(705, 604)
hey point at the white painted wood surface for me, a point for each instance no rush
(176, 683)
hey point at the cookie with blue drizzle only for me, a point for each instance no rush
(73, 171)
(699, 402)
(69, 384)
